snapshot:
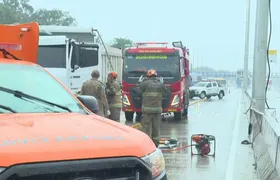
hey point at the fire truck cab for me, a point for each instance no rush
(172, 66)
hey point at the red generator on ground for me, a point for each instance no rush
(172, 66)
(203, 144)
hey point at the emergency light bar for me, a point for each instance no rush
(144, 43)
(150, 50)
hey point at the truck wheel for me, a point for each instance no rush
(129, 116)
(177, 116)
(202, 95)
(221, 94)
(138, 116)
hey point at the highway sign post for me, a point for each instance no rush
(272, 56)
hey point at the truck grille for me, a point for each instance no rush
(128, 168)
(137, 102)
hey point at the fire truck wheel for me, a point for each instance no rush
(138, 116)
(129, 116)
(177, 116)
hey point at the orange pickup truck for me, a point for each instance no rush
(46, 133)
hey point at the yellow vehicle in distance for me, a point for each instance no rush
(221, 81)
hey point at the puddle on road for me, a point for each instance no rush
(180, 165)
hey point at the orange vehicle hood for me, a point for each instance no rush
(65, 136)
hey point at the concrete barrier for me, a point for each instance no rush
(265, 142)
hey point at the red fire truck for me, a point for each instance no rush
(172, 66)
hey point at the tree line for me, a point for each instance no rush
(21, 11)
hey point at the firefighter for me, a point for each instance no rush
(94, 87)
(152, 91)
(113, 93)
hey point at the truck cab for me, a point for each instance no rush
(67, 59)
(171, 64)
(109, 58)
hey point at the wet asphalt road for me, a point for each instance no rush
(215, 117)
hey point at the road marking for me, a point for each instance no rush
(197, 101)
(233, 148)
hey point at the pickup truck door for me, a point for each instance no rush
(209, 88)
(215, 88)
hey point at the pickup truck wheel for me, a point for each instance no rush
(202, 95)
(221, 95)
(129, 116)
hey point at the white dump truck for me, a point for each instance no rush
(71, 53)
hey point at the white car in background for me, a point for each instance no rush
(207, 89)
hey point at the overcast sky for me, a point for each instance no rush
(213, 30)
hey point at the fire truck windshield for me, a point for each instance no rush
(167, 66)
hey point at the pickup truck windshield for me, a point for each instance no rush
(33, 80)
(201, 84)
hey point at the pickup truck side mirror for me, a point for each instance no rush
(90, 102)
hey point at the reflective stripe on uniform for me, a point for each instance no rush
(154, 94)
(118, 93)
(152, 109)
(116, 105)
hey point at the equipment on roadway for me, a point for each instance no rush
(202, 144)
(170, 63)
(166, 143)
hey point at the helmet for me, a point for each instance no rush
(151, 72)
(95, 73)
(114, 74)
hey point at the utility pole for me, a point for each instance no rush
(246, 52)
(260, 56)
(255, 68)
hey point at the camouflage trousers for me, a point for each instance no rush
(150, 125)
(100, 109)
(115, 114)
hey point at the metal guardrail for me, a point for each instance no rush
(265, 140)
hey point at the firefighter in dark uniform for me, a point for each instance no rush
(94, 87)
(152, 91)
(113, 93)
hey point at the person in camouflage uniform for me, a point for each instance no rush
(113, 93)
(152, 91)
(94, 87)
